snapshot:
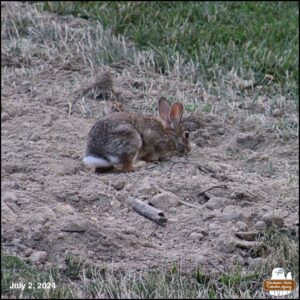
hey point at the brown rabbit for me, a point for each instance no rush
(122, 138)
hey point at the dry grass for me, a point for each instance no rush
(47, 42)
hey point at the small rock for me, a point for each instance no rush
(165, 200)
(28, 252)
(221, 131)
(115, 203)
(21, 201)
(172, 210)
(247, 236)
(64, 209)
(4, 117)
(129, 188)
(196, 236)
(241, 194)
(120, 196)
(212, 227)
(8, 168)
(19, 228)
(243, 244)
(74, 225)
(215, 203)
(226, 244)
(147, 190)
(60, 235)
(249, 140)
(7, 213)
(204, 232)
(48, 122)
(34, 137)
(118, 185)
(260, 225)
(37, 235)
(38, 257)
(209, 217)
(228, 215)
(43, 215)
(241, 226)
(9, 197)
(272, 218)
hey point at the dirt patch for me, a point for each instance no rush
(52, 203)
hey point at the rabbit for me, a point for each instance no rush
(123, 138)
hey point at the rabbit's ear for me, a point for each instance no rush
(164, 109)
(176, 113)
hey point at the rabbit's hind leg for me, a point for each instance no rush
(128, 166)
(128, 161)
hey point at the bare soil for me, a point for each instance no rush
(51, 202)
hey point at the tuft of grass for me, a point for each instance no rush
(39, 284)
(81, 279)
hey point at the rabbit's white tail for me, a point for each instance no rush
(97, 162)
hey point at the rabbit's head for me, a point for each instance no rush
(170, 116)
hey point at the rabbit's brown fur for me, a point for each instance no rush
(121, 138)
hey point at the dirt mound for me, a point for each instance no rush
(240, 175)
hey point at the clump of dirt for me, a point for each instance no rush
(236, 181)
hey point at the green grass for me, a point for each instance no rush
(39, 284)
(251, 38)
(81, 279)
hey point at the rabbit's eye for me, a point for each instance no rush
(186, 134)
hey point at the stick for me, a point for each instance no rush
(213, 187)
(148, 211)
(190, 204)
(215, 266)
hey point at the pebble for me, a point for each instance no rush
(7, 213)
(75, 225)
(38, 257)
(118, 185)
(19, 228)
(226, 244)
(215, 203)
(43, 215)
(47, 123)
(4, 117)
(248, 236)
(37, 235)
(241, 226)
(129, 188)
(28, 252)
(172, 210)
(34, 137)
(21, 201)
(260, 225)
(230, 216)
(165, 200)
(212, 226)
(64, 209)
(209, 217)
(115, 203)
(60, 235)
(120, 196)
(196, 236)
(9, 197)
